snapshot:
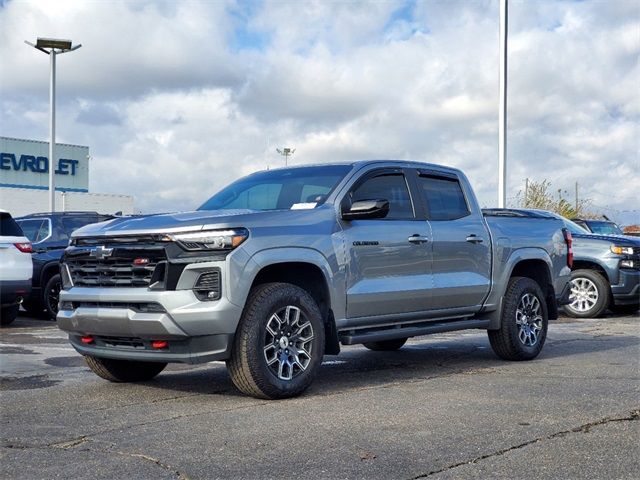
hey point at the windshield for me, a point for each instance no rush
(574, 227)
(604, 228)
(283, 189)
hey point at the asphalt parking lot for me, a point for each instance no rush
(442, 407)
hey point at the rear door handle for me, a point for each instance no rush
(417, 239)
(473, 238)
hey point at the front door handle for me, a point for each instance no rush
(473, 238)
(417, 239)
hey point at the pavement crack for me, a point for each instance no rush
(634, 415)
(69, 443)
(179, 475)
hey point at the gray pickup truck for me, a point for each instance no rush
(282, 266)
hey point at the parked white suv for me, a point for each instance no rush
(16, 267)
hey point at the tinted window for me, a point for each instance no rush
(444, 198)
(391, 187)
(9, 227)
(35, 230)
(279, 189)
(70, 224)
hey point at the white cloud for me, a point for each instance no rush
(176, 99)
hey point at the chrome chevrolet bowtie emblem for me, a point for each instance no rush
(101, 252)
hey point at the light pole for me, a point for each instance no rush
(286, 153)
(52, 47)
(502, 114)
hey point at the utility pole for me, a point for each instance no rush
(286, 153)
(502, 113)
(577, 213)
(52, 47)
(526, 193)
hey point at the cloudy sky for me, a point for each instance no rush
(176, 99)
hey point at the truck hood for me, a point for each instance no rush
(202, 219)
(617, 239)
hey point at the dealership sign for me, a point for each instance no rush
(9, 161)
(25, 164)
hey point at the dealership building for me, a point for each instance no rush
(24, 180)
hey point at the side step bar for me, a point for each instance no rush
(352, 337)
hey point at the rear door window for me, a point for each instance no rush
(443, 197)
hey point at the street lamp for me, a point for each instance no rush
(52, 47)
(502, 113)
(286, 153)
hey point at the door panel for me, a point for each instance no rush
(461, 269)
(389, 270)
(387, 274)
(461, 247)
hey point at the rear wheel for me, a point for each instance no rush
(279, 343)
(590, 294)
(8, 314)
(51, 296)
(123, 370)
(524, 321)
(386, 345)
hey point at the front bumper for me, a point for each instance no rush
(123, 327)
(627, 291)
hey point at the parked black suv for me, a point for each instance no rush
(49, 234)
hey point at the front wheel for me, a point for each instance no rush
(590, 294)
(524, 321)
(279, 343)
(123, 370)
(51, 296)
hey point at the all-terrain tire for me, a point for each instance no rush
(524, 311)
(123, 370)
(595, 291)
(8, 314)
(51, 295)
(386, 345)
(250, 370)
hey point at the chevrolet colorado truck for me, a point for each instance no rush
(283, 266)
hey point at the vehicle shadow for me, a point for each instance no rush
(357, 368)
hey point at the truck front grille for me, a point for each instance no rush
(122, 268)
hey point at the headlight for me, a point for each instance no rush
(622, 250)
(627, 264)
(211, 239)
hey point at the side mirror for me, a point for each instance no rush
(366, 210)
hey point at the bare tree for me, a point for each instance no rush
(540, 196)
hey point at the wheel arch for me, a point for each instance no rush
(311, 277)
(48, 271)
(591, 265)
(532, 263)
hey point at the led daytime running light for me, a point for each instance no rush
(211, 239)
